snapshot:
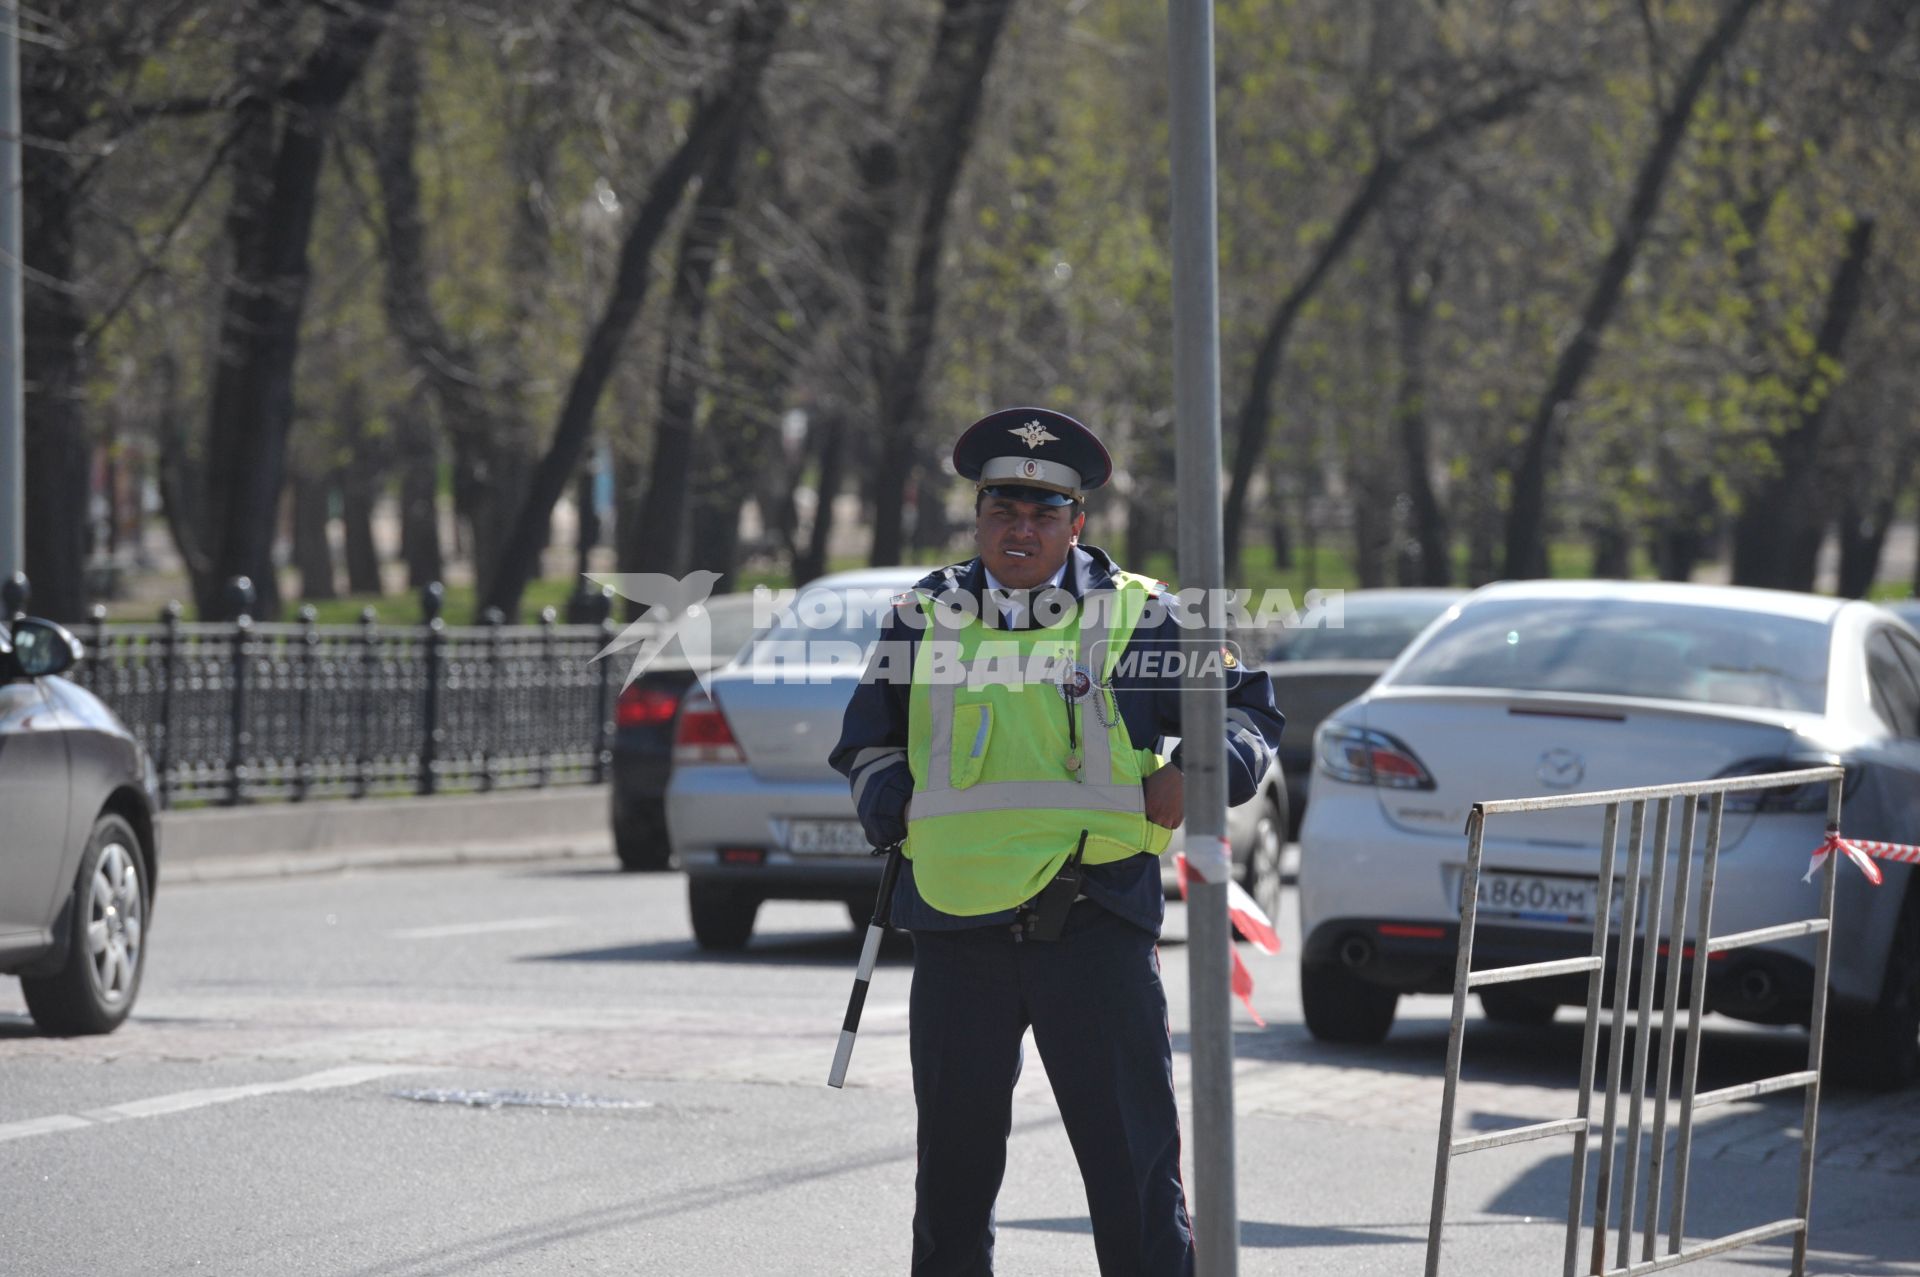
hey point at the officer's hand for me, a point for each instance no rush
(1166, 792)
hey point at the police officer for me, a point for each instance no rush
(1008, 729)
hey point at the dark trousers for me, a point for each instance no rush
(1099, 1018)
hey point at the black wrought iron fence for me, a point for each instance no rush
(236, 712)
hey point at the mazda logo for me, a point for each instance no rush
(1561, 769)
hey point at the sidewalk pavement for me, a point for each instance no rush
(274, 840)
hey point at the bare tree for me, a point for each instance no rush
(1256, 409)
(716, 116)
(1777, 535)
(283, 130)
(909, 180)
(76, 112)
(1526, 545)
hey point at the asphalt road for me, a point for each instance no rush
(530, 1069)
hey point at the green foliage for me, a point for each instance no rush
(538, 134)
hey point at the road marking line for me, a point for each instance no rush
(182, 1101)
(479, 928)
(41, 1126)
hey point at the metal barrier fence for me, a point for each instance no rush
(234, 712)
(1649, 948)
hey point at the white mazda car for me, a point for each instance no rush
(1545, 687)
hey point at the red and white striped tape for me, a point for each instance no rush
(1249, 919)
(1863, 853)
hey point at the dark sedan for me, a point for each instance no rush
(77, 849)
(1320, 661)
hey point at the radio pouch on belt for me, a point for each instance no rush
(1056, 898)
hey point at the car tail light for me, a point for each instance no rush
(1793, 798)
(644, 705)
(1362, 757)
(703, 735)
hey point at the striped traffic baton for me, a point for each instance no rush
(863, 975)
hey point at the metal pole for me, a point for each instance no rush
(1196, 381)
(1817, 1028)
(863, 972)
(1456, 1033)
(13, 458)
(1590, 1037)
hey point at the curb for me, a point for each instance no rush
(306, 864)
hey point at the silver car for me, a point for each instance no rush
(754, 811)
(1537, 687)
(78, 856)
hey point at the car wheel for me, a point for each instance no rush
(1879, 1047)
(95, 987)
(1262, 878)
(1341, 1007)
(722, 915)
(640, 837)
(1504, 1004)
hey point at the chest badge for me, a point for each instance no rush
(1077, 683)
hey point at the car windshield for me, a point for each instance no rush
(1667, 651)
(1370, 630)
(830, 622)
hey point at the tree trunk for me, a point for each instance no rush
(1612, 549)
(55, 443)
(587, 518)
(1526, 539)
(832, 429)
(176, 468)
(312, 554)
(1864, 538)
(629, 491)
(1776, 538)
(1861, 541)
(713, 515)
(664, 516)
(269, 223)
(490, 455)
(1278, 534)
(358, 489)
(929, 152)
(715, 118)
(1427, 559)
(1483, 527)
(1372, 528)
(1256, 410)
(420, 499)
(77, 59)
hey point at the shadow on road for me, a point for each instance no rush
(801, 949)
(1257, 1235)
(1544, 1055)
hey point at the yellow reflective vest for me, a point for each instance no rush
(1016, 744)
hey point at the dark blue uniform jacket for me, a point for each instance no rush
(1149, 701)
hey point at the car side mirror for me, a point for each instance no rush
(42, 647)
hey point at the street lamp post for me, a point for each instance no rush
(1196, 376)
(13, 547)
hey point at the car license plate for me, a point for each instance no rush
(1538, 897)
(826, 838)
